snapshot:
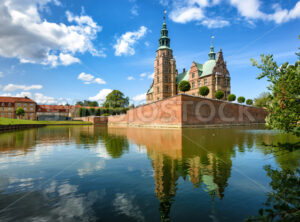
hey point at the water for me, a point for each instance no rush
(86, 173)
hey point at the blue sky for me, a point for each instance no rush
(58, 51)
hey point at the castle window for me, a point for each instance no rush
(157, 79)
(218, 81)
(167, 88)
(199, 82)
(193, 84)
(205, 82)
(157, 89)
(193, 75)
(166, 79)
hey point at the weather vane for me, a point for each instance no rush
(212, 39)
(165, 12)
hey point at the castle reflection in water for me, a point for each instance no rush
(202, 158)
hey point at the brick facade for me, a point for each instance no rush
(213, 74)
(189, 111)
(9, 105)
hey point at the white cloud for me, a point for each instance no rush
(101, 96)
(85, 77)
(99, 81)
(187, 14)
(88, 79)
(184, 11)
(134, 10)
(215, 23)
(125, 43)
(151, 76)
(250, 9)
(130, 78)
(14, 87)
(40, 98)
(143, 74)
(26, 35)
(140, 97)
(67, 59)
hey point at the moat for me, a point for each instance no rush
(87, 173)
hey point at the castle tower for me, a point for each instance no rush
(164, 84)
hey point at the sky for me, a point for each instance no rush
(63, 51)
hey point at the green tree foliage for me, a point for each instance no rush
(20, 112)
(116, 99)
(88, 103)
(262, 100)
(249, 102)
(219, 94)
(231, 97)
(102, 111)
(241, 99)
(184, 86)
(283, 202)
(203, 91)
(284, 107)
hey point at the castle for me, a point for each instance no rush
(213, 73)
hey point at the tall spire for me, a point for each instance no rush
(164, 40)
(212, 54)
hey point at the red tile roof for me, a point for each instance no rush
(5, 99)
(53, 108)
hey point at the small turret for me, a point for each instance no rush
(164, 40)
(212, 54)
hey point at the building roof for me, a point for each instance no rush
(53, 108)
(208, 67)
(6, 99)
(182, 76)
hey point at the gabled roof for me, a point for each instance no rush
(182, 76)
(6, 99)
(199, 66)
(151, 89)
(53, 108)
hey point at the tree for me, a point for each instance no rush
(116, 99)
(20, 112)
(184, 86)
(249, 102)
(284, 106)
(263, 100)
(219, 94)
(88, 103)
(203, 91)
(241, 99)
(231, 97)
(282, 203)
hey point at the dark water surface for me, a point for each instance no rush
(86, 173)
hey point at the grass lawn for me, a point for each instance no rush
(6, 121)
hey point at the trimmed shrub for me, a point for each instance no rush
(231, 97)
(219, 94)
(241, 99)
(249, 102)
(184, 86)
(203, 91)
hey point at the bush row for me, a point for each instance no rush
(101, 111)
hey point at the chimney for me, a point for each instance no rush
(183, 69)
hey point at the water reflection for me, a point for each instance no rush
(200, 157)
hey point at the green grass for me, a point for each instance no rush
(6, 121)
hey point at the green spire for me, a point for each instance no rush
(164, 40)
(212, 54)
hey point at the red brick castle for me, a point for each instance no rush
(213, 73)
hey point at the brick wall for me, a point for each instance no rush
(189, 111)
(97, 120)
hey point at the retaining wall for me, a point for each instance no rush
(96, 120)
(189, 111)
